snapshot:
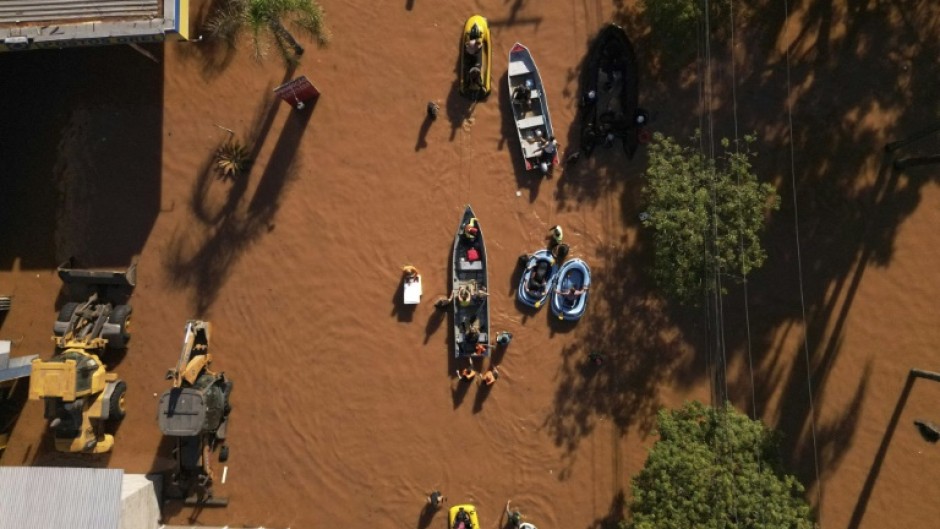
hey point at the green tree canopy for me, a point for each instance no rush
(267, 21)
(706, 215)
(715, 468)
(676, 24)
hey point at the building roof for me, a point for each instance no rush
(39, 24)
(13, 368)
(54, 497)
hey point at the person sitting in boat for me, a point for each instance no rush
(462, 520)
(538, 281)
(472, 334)
(589, 98)
(549, 148)
(471, 229)
(464, 296)
(476, 78)
(547, 155)
(474, 42)
(520, 96)
(571, 294)
(480, 294)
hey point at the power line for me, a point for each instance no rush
(747, 315)
(799, 267)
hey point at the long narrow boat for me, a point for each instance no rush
(475, 62)
(469, 275)
(610, 91)
(530, 110)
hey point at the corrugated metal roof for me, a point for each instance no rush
(15, 11)
(18, 367)
(60, 498)
(13, 368)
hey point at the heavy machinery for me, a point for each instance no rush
(195, 412)
(80, 395)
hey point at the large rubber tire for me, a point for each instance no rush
(121, 315)
(65, 315)
(116, 407)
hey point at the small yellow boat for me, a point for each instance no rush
(476, 57)
(463, 517)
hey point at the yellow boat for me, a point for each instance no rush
(475, 59)
(471, 512)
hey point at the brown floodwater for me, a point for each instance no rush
(346, 410)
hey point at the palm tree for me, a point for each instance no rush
(265, 19)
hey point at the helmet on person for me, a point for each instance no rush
(538, 133)
(529, 84)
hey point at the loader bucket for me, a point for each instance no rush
(126, 278)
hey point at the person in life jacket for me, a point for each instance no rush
(466, 374)
(464, 296)
(471, 229)
(491, 376)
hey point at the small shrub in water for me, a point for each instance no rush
(232, 159)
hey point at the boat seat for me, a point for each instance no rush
(528, 123)
(517, 68)
(532, 149)
(464, 264)
(482, 338)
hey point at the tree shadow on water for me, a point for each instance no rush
(614, 516)
(641, 349)
(842, 205)
(213, 54)
(202, 259)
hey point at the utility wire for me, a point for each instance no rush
(799, 267)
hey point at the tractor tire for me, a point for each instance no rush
(223, 454)
(65, 315)
(116, 406)
(120, 316)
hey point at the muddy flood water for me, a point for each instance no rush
(346, 408)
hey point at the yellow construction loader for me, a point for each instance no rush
(80, 395)
(195, 412)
